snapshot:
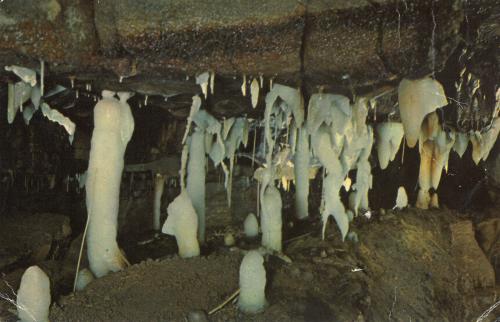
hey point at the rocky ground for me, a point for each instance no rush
(407, 265)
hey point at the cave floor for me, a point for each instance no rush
(408, 265)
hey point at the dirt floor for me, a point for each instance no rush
(408, 265)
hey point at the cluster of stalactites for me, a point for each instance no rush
(418, 100)
(217, 139)
(341, 141)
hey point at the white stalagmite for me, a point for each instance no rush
(251, 226)
(195, 182)
(33, 296)
(254, 92)
(417, 98)
(423, 199)
(389, 136)
(401, 198)
(85, 276)
(301, 169)
(159, 187)
(113, 127)
(182, 222)
(252, 297)
(434, 202)
(271, 221)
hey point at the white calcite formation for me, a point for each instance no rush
(83, 279)
(18, 94)
(254, 92)
(324, 150)
(28, 112)
(25, 74)
(182, 222)
(389, 137)
(301, 170)
(341, 141)
(482, 143)
(251, 226)
(252, 298)
(33, 296)
(435, 146)
(271, 221)
(159, 187)
(401, 198)
(417, 98)
(113, 127)
(461, 143)
(203, 80)
(57, 117)
(195, 182)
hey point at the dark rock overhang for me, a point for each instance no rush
(157, 48)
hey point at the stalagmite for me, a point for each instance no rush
(159, 187)
(254, 92)
(33, 296)
(252, 297)
(423, 199)
(182, 222)
(389, 137)
(271, 221)
(434, 202)
(251, 226)
(417, 98)
(195, 183)
(401, 198)
(84, 278)
(301, 169)
(113, 127)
